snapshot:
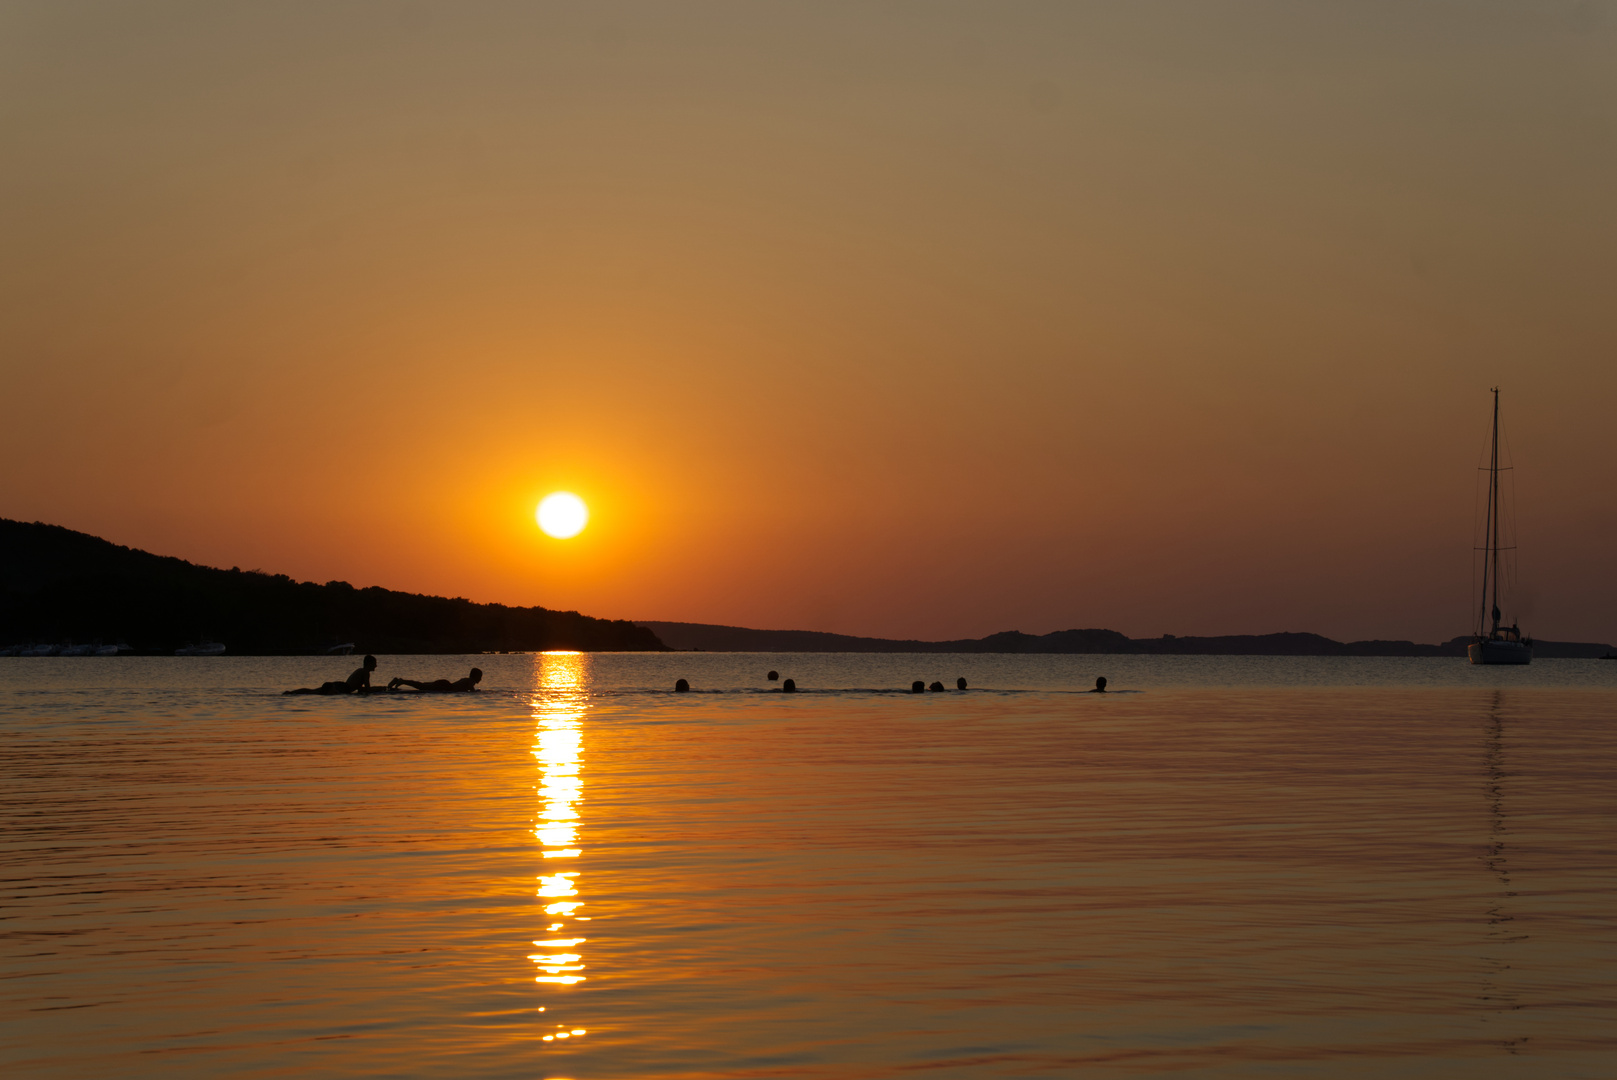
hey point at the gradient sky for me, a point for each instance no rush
(911, 319)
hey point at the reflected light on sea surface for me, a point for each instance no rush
(559, 703)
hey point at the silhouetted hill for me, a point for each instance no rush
(710, 638)
(59, 585)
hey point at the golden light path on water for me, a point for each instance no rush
(559, 704)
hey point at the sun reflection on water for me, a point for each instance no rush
(559, 703)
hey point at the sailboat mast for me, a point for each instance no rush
(1496, 521)
(1492, 569)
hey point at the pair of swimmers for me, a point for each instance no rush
(360, 683)
(919, 687)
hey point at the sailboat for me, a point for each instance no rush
(1499, 644)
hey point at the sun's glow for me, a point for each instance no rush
(562, 514)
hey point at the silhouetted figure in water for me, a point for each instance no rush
(960, 684)
(789, 686)
(682, 687)
(442, 686)
(917, 687)
(935, 687)
(774, 676)
(357, 683)
(1100, 686)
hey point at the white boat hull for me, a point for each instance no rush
(1499, 652)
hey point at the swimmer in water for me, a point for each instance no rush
(1100, 686)
(357, 683)
(441, 686)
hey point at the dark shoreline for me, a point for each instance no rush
(704, 637)
(59, 586)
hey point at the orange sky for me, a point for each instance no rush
(914, 319)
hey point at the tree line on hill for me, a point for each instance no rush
(60, 585)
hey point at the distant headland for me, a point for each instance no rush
(710, 638)
(57, 585)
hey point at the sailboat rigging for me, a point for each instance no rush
(1499, 644)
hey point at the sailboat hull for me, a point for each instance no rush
(1499, 652)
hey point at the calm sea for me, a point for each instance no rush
(1251, 867)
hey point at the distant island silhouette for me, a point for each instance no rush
(712, 638)
(60, 585)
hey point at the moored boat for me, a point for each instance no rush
(201, 648)
(1493, 643)
(1500, 650)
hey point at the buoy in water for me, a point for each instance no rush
(773, 676)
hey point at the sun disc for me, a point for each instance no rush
(562, 515)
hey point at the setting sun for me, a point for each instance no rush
(562, 515)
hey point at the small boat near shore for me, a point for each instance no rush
(1498, 644)
(95, 649)
(201, 648)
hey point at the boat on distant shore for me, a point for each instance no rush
(95, 649)
(1498, 644)
(201, 648)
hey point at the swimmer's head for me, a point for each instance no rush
(477, 675)
(370, 662)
